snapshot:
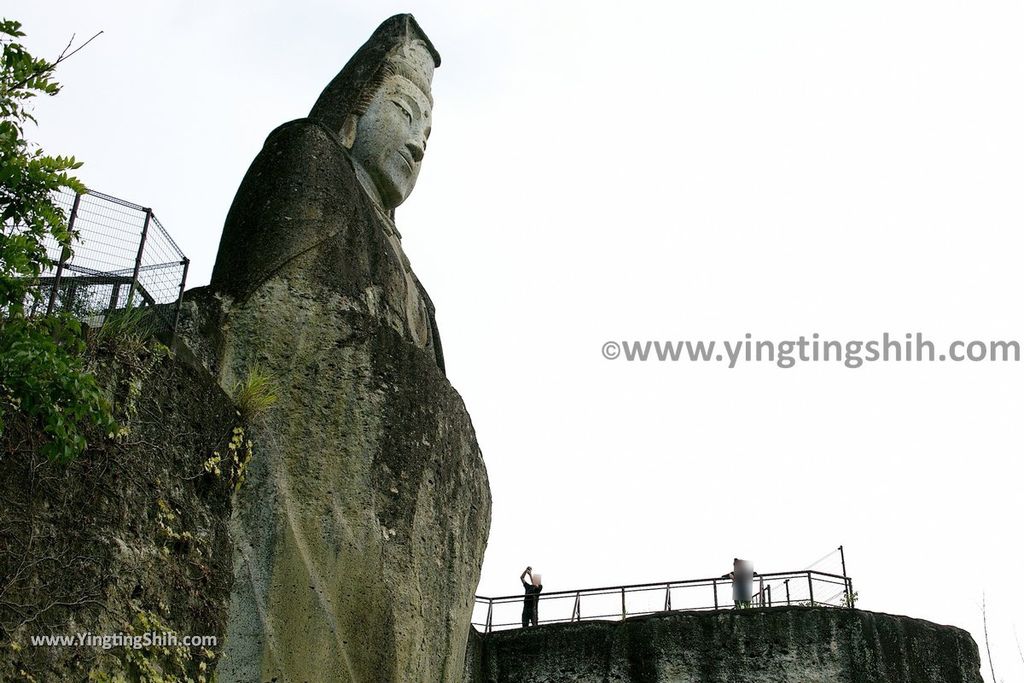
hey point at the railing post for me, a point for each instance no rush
(714, 584)
(786, 582)
(668, 597)
(64, 254)
(181, 293)
(490, 612)
(69, 298)
(849, 592)
(769, 596)
(849, 595)
(115, 295)
(138, 257)
(623, 603)
(810, 587)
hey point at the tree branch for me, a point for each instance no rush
(64, 55)
(984, 622)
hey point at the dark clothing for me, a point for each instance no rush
(530, 609)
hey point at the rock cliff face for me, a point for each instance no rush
(130, 538)
(350, 552)
(360, 529)
(775, 645)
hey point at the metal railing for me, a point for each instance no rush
(123, 258)
(805, 587)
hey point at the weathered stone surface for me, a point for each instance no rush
(776, 645)
(319, 199)
(473, 671)
(362, 523)
(131, 537)
(361, 527)
(301, 212)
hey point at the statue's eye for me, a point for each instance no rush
(401, 108)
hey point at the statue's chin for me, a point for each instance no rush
(391, 195)
(381, 189)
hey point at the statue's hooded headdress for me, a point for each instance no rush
(301, 194)
(381, 56)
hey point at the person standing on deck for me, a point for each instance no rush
(533, 589)
(742, 576)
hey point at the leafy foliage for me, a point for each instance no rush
(236, 461)
(28, 177)
(42, 370)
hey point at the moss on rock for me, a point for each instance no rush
(773, 645)
(130, 538)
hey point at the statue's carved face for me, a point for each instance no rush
(391, 137)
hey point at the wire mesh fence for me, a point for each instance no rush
(123, 258)
(778, 589)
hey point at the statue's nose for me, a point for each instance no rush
(416, 150)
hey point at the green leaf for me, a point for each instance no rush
(41, 360)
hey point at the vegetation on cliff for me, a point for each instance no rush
(43, 372)
(128, 539)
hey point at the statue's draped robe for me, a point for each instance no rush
(301, 210)
(360, 527)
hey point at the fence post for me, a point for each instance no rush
(181, 293)
(115, 295)
(64, 253)
(138, 257)
(849, 594)
(714, 584)
(810, 587)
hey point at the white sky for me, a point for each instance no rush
(692, 170)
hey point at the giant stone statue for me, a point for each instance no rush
(360, 528)
(318, 202)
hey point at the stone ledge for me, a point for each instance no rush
(780, 645)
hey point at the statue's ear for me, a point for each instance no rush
(348, 131)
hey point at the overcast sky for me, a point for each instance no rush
(685, 171)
